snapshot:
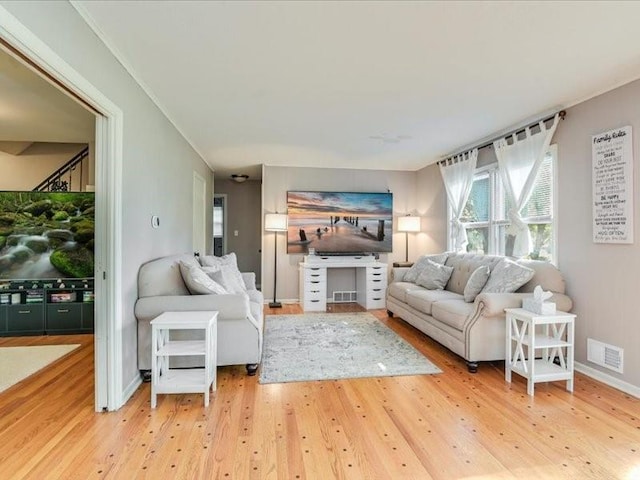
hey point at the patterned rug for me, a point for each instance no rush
(327, 346)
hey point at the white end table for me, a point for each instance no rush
(552, 340)
(183, 380)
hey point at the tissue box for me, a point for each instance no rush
(541, 308)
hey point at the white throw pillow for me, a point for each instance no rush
(228, 276)
(476, 282)
(217, 262)
(507, 277)
(434, 276)
(198, 282)
(416, 269)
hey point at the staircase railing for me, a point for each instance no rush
(55, 182)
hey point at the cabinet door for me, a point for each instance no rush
(3, 319)
(25, 319)
(64, 316)
(87, 316)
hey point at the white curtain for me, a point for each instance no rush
(519, 164)
(457, 174)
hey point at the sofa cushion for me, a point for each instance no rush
(423, 300)
(476, 283)
(452, 312)
(434, 276)
(416, 269)
(507, 277)
(198, 282)
(464, 264)
(399, 290)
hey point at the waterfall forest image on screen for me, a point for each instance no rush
(339, 222)
(46, 235)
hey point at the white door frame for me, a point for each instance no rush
(109, 391)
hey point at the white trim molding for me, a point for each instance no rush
(607, 379)
(109, 393)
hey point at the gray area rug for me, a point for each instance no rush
(327, 346)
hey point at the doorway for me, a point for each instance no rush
(219, 224)
(22, 44)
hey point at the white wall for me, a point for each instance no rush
(407, 198)
(158, 163)
(25, 171)
(602, 279)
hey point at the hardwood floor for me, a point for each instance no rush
(454, 425)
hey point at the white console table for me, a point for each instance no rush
(371, 281)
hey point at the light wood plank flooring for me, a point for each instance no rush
(449, 426)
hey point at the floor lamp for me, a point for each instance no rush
(408, 224)
(275, 222)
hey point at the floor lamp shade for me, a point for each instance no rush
(275, 222)
(408, 224)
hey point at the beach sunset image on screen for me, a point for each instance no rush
(339, 222)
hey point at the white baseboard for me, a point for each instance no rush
(130, 390)
(607, 379)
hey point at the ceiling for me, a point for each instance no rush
(33, 110)
(382, 85)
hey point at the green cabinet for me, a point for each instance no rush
(38, 308)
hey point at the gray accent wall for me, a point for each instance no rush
(419, 193)
(244, 216)
(158, 163)
(602, 279)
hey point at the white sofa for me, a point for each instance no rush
(240, 319)
(476, 330)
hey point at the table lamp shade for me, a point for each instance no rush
(408, 224)
(275, 222)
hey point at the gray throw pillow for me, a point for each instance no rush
(476, 282)
(434, 276)
(507, 277)
(414, 272)
(228, 276)
(198, 282)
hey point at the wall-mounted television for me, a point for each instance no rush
(46, 235)
(339, 223)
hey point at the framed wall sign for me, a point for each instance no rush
(612, 158)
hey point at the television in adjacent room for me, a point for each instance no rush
(339, 223)
(46, 235)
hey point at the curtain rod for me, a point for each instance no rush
(561, 114)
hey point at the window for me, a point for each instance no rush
(485, 214)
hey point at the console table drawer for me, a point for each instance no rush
(315, 274)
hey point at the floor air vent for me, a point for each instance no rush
(605, 355)
(344, 297)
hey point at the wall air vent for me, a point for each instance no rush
(344, 297)
(607, 356)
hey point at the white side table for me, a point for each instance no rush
(183, 380)
(545, 339)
